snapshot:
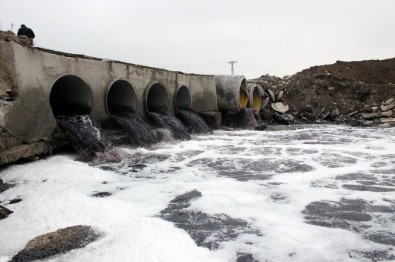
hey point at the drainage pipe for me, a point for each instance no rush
(156, 99)
(254, 97)
(70, 96)
(183, 98)
(121, 98)
(232, 93)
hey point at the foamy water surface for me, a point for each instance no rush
(324, 193)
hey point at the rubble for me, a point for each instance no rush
(386, 107)
(355, 93)
(280, 107)
(271, 95)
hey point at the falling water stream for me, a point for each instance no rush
(138, 130)
(169, 121)
(84, 134)
(193, 121)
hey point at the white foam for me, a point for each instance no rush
(129, 217)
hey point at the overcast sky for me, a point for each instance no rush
(278, 37)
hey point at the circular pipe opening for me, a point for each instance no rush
(70, 96)
(121, 98)
(156, 99)
(256, 99)
(243, 94)
(183, 98)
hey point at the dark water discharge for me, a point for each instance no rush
(84, 134)
(169, 121)
(138, 131)
(194, 122)
(244, 119)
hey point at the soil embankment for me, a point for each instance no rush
(357, 93)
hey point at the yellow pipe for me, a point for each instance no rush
(256, 100)
(243, 98)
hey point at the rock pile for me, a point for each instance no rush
(382, 115)
(273, 82)
(355, 93)
(274, 110)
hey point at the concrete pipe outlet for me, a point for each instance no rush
(232, 93)
(254, 97)
(156, 99)
(183, 99)
(70, 96)
(121, 98)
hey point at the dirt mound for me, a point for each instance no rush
(354, 93)
(368, 71)
(316, 97)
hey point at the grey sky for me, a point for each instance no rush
(265, 36)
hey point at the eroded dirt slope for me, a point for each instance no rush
(344, 92)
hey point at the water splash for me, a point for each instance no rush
(193, 121)
(164, 135)
(169, 121)
(138, 131)
(244, 119)
(84, 134)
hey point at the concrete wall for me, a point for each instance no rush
(33, 72)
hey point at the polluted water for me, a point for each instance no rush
(137, 129)
(244, 119)
(169, 121)
(84, 134)
(193, 121)
(321, 193)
